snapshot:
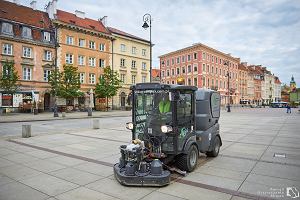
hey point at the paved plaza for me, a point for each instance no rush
(68, 160)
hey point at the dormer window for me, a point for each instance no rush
(26, 32)
(47, 36)
(7, 28)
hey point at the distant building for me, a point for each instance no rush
(242, 83)
(131, 59)
(202, 66)
(27, 38)
(277, 93)
(155, 75)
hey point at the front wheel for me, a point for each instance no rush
(215, 148)
(188, 162)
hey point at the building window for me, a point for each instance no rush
(101, 63)
(173, 72)
(203, 55)
(27, 73)
(47, 36)
(178, 60)
(133, 50)
(123, 78)
(92, 61)
(82, 78)
(144, 65)
(195, 55)
(102, 47)
(212, 69)
(143, 52)
(92, 45)
(168, 62)
(183, 70)
(212, 59)
(195, 82)
(92, 78)
(47, 55)
(173, 82)
(203, 81)
(168, 73)
(178, 71)
(195, 67)
(26, 32)
(27, 52)
(189, 68)
(216, 70)
(162, 73)
(183, 59)
(81, 42)
(70, 40)
(81, 60)
(133, 64)
(133, 79)
(7, 28)
(143, 79)
(47, 72)
(7, 49)
(122, 62)
(123, 47)
(203, 67)
(69, 58)
(189, 57)
(173, 62)
(189, 81)
(208, 68)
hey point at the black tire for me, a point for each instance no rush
(188, 162)
(215, 148)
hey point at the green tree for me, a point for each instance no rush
(9, 78)
(65, 84)
(108, 84)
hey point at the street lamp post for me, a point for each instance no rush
(228, 77)
(147, 19)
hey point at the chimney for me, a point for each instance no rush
(104, 20)
(51, 9)
(244, 63)
(33, 4)
(79, 14)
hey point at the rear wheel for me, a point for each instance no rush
(215, 148)
(188, 162)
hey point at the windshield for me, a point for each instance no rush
(152, 109)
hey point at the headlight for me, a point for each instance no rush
(129, 125)
(166, 129)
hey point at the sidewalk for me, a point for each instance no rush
(48, 116)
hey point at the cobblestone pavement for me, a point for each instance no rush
(68, 160)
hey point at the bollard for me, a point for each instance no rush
(96, 124)
(26, 130)
(63, 114)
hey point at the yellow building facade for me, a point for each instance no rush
(131, 60)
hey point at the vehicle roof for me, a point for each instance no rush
(159, 86)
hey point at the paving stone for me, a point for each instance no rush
(44, 166)
(67, 161)
(5, 180)
(20, 158)
(191, 192)
(19, 172)
(83, 193)
(41, 154)
(5, 162)
(252, 151)
(159, 195)
(278, 170)
(5, 151)
(115, 189)
(18, 191)
(76, 176)
(95, 169)
(49, 185)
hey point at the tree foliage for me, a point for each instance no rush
(108, 84)
(9, 78)
(65, 84)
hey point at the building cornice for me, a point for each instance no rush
(60, 24)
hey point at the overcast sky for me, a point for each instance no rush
(265, 32)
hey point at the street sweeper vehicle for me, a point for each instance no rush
(170, 125)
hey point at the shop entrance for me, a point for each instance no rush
(47, 102)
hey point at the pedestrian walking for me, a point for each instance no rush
(288, 109)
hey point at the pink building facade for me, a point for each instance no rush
(202, 66)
